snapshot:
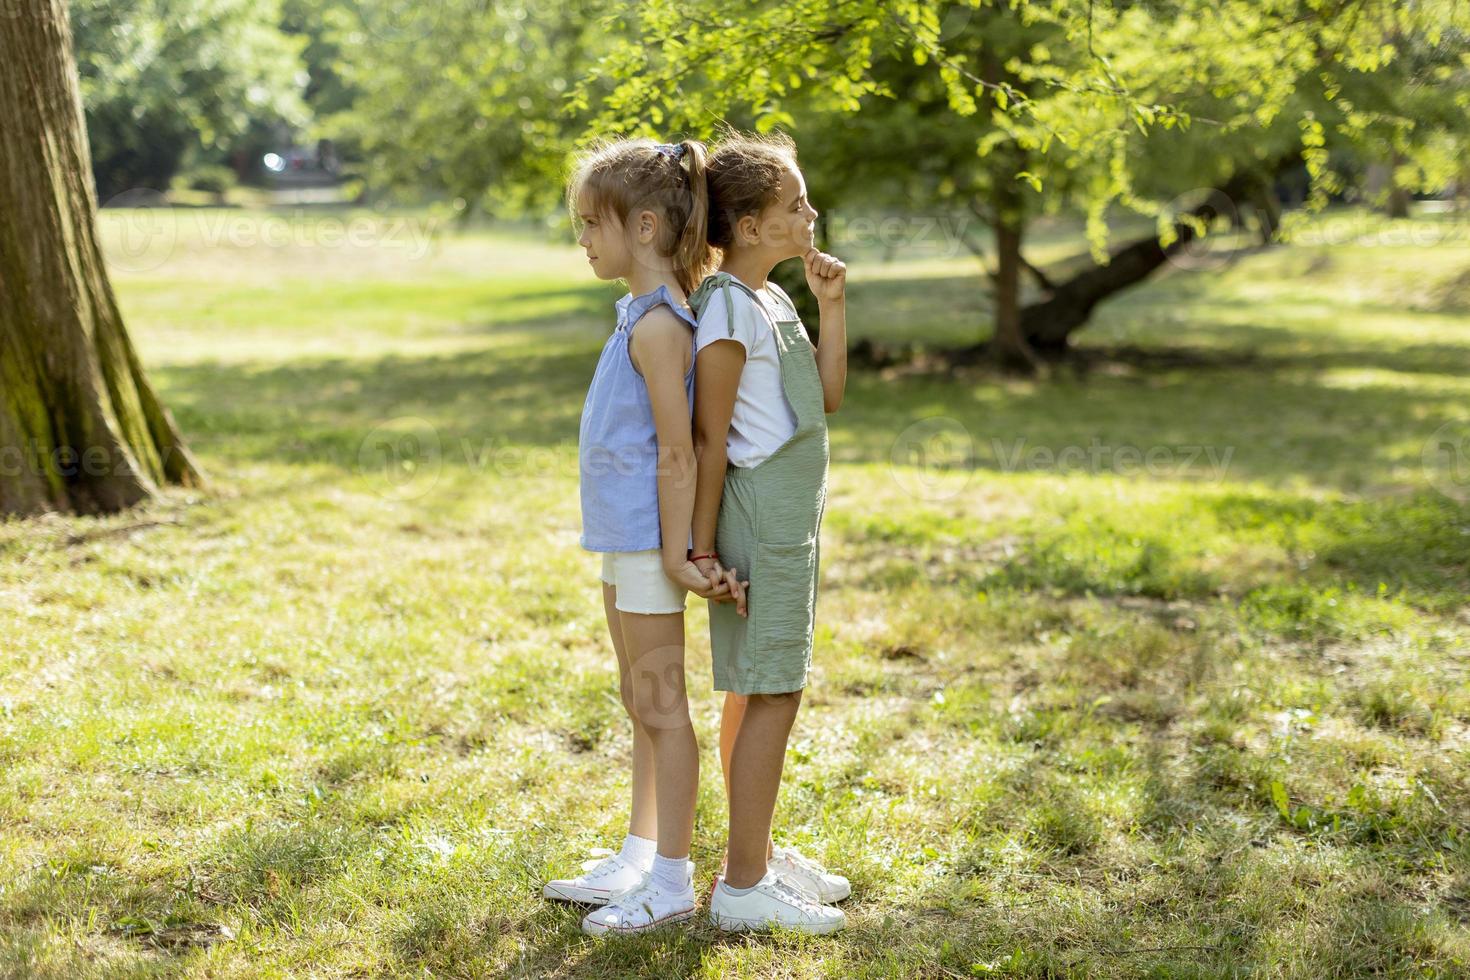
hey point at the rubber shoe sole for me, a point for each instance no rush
(579, 896)
(598, 929)
(727, 923)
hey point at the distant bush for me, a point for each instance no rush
(212, 179)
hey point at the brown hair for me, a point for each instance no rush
(624, 177)
(744, 176)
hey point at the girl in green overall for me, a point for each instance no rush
(762, 391)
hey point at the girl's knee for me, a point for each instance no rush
(658, 707)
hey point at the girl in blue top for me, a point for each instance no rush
(643, 208)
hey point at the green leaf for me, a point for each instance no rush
(1279, 797)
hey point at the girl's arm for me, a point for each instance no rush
(826, 276)
(717, 372)
(660, 352)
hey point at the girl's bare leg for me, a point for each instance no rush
(756, 761)
(654, 684)
(730, 718)
(643, 821)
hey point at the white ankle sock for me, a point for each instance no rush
(639, 851)
(737, 891)
(671, 874)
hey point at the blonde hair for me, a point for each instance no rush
(623, 177)
(744, 176)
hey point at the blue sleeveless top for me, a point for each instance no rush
(617, 447)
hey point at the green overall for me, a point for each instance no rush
(770, 514)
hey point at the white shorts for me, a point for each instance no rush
(642, 586)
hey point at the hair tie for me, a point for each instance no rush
(674, 151)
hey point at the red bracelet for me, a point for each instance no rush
(697, 557)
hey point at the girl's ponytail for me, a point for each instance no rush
(622, 177)
(693, 257)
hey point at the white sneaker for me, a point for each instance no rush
(601, 882)
(773, 901)
(811, 877)
(644, 908)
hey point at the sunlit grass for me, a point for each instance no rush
(1203, 713)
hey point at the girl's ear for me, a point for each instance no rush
(748, 229)
(647, 227)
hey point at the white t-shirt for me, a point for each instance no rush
(763, 419)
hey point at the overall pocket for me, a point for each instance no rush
(783, 597)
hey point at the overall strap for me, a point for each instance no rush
(722, 281)
(780, 294)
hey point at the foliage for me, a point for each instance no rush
(1085, 105)
(166, 79)
(462, 97)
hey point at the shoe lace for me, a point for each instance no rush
(800, 860)
(607, 866)
(639, 899)
(798, 896)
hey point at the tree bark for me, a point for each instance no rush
(81, 428)
(1048, 324)
(1009, 342)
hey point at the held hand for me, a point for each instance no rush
(826, 276)
(718, 574)
(737, 588)
(688, 576)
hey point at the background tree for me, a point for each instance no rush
(464, 98)
(80, 426)
(169, 81)
(1037, 107)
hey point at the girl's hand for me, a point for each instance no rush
(688, 576)
(826, 276)
(728, 577)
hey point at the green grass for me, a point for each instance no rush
(1072, 715)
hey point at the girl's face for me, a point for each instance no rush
(615, 248)
(605, 241)
(788, 223)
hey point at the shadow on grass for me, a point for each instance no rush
(1267, 421)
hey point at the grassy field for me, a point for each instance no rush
(1157, 670)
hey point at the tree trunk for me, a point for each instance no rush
(1009, 342)
(1398, 198)
(1048, 325)
(80, 427)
